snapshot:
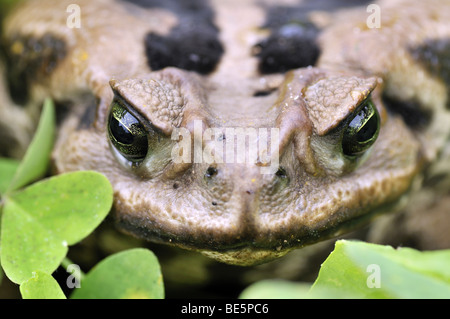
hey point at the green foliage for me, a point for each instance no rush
(361, 270)
(35, 162)
(375, 271)
(8, 169)
(41, 221)
(133, 274)
(276, 289)
(41, 286)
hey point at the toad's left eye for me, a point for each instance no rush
(127, 134)
(362, 129)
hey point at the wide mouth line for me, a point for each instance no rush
(221, 243)
(246, 239)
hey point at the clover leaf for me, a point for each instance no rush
(41, 221)
(35, 162)
(363, 270)
(38, 223)
(131, 274)
(41, 286)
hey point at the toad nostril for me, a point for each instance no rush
(281, 173)
(211, 172)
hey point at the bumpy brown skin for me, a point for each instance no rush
(238, 215)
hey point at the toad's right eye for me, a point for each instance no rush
(362, 129)
(127, 134)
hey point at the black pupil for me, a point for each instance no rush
(362, 131)
(368, 130)
(127, 134)
(120, 132)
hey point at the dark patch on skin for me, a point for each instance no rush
(29, 60)
(84, 109)
(410, 111)
(192, 45)
(7, 138)
(434, 55)
(290, 47)
(87, 119)
(63, 110)
(197, 51)
(293, 42)
(433, 181)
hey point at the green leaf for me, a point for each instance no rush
(281, 289)
(276, 289)
(132, 274)
(35, 162)
(27, 245)
(361, 270)
(374, 271)
(41, 286)
(8, 168)
(41, 221)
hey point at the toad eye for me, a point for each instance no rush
(127, 134)
(362, 130)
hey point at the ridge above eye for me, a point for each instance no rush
(127, 134)
(362, 129)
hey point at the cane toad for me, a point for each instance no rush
(240, 129)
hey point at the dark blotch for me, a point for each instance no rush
(88, 117)
(30, 60)
(293, 40)
(410, 111)
(292, 43)
(62, 109)
(198, 51)
(435, 180)
(291, 48)
(434, 55)
(192, 45)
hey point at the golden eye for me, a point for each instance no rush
(362, 129)
(127, 134)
